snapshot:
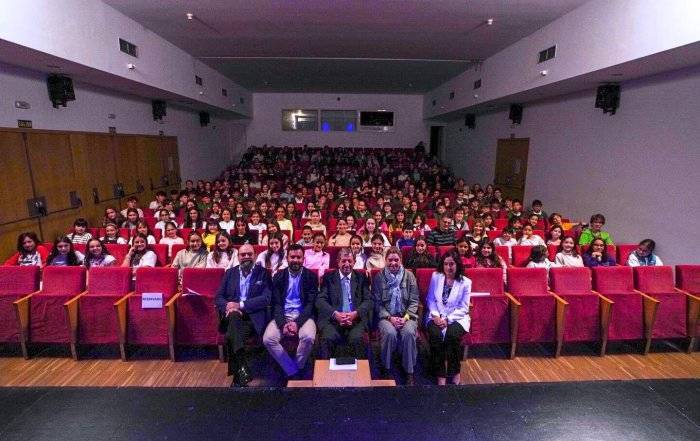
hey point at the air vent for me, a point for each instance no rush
(547, 54)
(477, 84)
(224, 92)
(128, 48)
(198, 80)
(452, 95)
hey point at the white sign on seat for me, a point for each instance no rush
(151, 300)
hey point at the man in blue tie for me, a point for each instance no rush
(242, 301)
(343, 306)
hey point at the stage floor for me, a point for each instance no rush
(619, 410)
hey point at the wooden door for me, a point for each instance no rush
(511, 166)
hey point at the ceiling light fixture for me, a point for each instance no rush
(489, 22)
(190, 16)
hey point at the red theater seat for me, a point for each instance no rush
(521, 254)
(588, 315)
(542, 313)
(47, 318)
(192, 318)
(141, 326)
(672, 317)
(16, 282)
(623, 252)
(91, 315)
(494, 318)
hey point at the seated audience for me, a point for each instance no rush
(112, 235)
(223, 255)
(241, 235)
(194, 256)
(419, 257)
(98, 255)
(539, 258)
(567, 255)
(644, 255)
(376, 256)
(594, 231)
(63, 254)
(273, 259)
(342, 237)
(444, 234)
(597, 254)
(315, 257)
(172, 237)
(140, 255)
(529, 237)
(79, 234)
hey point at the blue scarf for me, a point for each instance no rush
(393, 281)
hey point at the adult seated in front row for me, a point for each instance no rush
(395, 293)
(448, 317)
(343, 306)
(294, 292)
(242, 300)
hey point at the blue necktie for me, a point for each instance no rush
(347, 301)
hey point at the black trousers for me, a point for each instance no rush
(334, 337)
(239, 329)
(444, 349)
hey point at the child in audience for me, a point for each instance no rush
(465, 252)
(419, 257)
(315, 257)
(307, 237)
(112, 235)
(379, 220)
(210, 235)
(376, 257)
(460, 221)
(163, 218)
(369, 231)
(132, 218)
(132, 203)
(515, 223)
(193, 220)
(29, 251)
(359, 252)
(171, 237)
(97, 255)
(487, 220)
(241, 235)
(194, 256)
(157, 204)
(223, 255)
(529, 237)
(533, 220)
(555, 234)
(419, 226)
(226, 223)
(407, 239)
(254, 225)
(315, 222)
(142, 228)
(537, 210)
(273, 259)
(140, 255)
(594, 231)
(112, 216)
(517, 210)
(80, 234)
(63, 254)
(644, 255)
(486, 257)
(342, 237)
(597, 254)
(539, 258)
(506, 238)
(567, 255)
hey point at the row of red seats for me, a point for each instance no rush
(518, 255)
(614, 303)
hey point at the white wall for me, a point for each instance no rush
(640, 167)
(203, 151)
(266, 126)
(597, 35)
(87, 32)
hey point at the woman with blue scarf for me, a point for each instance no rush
(395, 292)
(644, 255)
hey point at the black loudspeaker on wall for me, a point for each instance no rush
(158, 110)
(203, 119)
(516, 113)
(470, 120)
(608, 98)
(60, 90)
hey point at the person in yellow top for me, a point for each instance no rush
(209, 237)
(284, 223)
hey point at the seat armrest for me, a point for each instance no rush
(120, 307)
(514, 322)
(71, 308)
(650, 307)
(560, 316)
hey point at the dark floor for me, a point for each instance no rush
(639, 410)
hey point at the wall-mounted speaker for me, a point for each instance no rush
(60, 90)
(608, 98)
(158, 110)
(516, 113)
(203, 119)
(470, 120)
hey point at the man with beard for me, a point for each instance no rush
(294, 292)
(242, 301)
(343, 306)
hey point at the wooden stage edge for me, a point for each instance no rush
(56, 368)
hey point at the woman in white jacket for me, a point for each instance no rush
(448, 317)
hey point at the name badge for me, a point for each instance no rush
(151, 300)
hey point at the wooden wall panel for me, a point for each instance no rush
(51, 159)
(16, 184)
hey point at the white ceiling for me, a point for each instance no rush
(401, 46)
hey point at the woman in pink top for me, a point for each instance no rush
(315, 257)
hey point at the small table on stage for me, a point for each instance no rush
(324, 377)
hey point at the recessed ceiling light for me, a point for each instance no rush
(189, 15)
(489, 22)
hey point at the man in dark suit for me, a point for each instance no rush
(343, 306)
(294, 292)
(242, 301)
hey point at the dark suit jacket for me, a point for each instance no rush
(259, 293)
(308, 291)
(330, 299)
